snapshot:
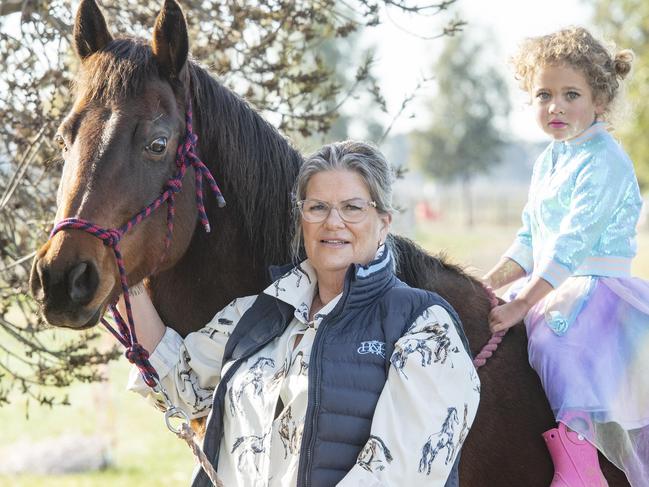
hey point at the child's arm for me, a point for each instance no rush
(505, 272)
(507, 315)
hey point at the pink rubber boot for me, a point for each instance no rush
(575, 459)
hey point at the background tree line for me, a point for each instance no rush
(626, 22)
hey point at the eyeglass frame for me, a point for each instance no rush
(369, 204)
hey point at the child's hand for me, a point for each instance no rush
(507, 315)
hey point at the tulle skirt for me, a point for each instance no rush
(589, 342)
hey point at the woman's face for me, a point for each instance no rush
(333, 244)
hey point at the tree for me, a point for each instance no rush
(268, 51)
(463, 138)
(627, 23)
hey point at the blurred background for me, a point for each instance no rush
(428, 82)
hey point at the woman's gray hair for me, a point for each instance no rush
(360, 157)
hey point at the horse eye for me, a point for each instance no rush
(58, 138)
(158, 146)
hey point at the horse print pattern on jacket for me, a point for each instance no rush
(211, 332)
(303, 364)
(463, 431)
(374, 455)
(444, 439)
(249, 449)
(290, 433)
(253, 377)
(436, 335)
(294, 277)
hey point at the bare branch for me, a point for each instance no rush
(404, 104)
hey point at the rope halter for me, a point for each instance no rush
(111, 237)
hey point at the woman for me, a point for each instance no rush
(338, 373)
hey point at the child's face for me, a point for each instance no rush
(563, 101)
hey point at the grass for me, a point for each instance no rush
(144, 452)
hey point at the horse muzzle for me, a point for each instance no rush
(70, 291)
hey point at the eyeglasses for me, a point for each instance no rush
(351, 211)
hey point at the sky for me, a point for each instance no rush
(403, 59)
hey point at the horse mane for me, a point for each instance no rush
(245, 153)
(252, 157)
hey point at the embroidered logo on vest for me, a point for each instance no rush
(373, 346)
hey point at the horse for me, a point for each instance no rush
(118, 143)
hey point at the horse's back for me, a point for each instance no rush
(504, 447)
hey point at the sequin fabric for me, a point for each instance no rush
(583, 207)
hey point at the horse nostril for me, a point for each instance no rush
(82, 282)
(39, 280)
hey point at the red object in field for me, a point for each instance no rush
(424, 212)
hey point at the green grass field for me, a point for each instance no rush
(144, 452)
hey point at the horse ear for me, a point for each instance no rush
(90, 31)
(170, 43)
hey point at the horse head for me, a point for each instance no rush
(118, 145)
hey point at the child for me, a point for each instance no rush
(587, 320)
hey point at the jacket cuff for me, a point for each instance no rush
(521, 254)
(163, 359)
(552, 271)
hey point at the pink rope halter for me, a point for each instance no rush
(111, 237)
(491, 346)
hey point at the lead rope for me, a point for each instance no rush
(491, 346)
(185, 432)
(111, 237)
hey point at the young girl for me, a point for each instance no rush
(587, 319)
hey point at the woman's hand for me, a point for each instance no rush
(507, 315)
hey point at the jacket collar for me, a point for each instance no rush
(364, 283)
(298, 283)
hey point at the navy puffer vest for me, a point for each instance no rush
(348, 367)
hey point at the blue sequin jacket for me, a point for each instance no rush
(582, 210)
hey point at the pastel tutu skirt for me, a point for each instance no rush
(588, 341)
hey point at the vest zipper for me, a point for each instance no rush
(304, 475)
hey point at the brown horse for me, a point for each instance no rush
(119, 143)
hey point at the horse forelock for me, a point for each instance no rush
(119, 71)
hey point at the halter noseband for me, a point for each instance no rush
(111, 237)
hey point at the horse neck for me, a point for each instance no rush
(255, 168)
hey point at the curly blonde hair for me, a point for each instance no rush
(574, 47)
